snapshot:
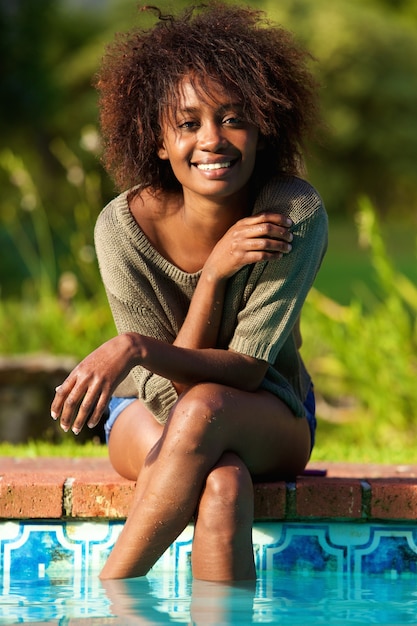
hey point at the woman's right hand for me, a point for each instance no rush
(83, 396)
(261, 237)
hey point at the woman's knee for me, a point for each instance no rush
(194, 418)
(227, 500)
(229, 479)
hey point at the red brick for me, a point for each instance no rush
(35, 488)
(394, 499)
(98, 496)
(324, 497)
(337, 469)
(270, 500)
(35, 495)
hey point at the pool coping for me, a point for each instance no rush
(89, 488)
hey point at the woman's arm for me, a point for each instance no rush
(261, 237)
(83, 396)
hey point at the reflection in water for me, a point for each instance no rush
(305, 597)
(275, 599)
(201, 603)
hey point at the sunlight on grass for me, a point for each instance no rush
(346, 442)
(66, 449)
(335, 442)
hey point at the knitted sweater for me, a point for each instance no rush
(149, 295)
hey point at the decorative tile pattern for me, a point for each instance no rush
(327, 561)
(34, 550)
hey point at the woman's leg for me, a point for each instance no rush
(207, 420)
(134, 434)
(222, 544)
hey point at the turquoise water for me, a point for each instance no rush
(164, 598)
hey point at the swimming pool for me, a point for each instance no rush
(165, 598)
(308, 573)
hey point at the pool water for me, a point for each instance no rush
(304, 599)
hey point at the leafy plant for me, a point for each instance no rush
(62, 307)
(37, 252)
(364, 358)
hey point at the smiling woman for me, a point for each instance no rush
(207, 257)
(211, 148)
(258, 63)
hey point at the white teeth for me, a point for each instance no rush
(213, 166)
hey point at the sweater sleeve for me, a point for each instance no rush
(276, 290)
(157, 393)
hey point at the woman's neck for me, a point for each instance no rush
(212, 217)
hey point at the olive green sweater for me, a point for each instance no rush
(263, 301)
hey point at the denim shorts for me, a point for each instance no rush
(117, 405)
(310, 409)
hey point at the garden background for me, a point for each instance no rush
(360, 321)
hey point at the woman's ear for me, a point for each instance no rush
(162, 152)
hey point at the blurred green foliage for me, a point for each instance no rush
(366, 60)
(361, 350)
(50, 49)
(364, 359)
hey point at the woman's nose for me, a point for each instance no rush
(211, 137)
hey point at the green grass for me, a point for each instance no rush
(347, 270)
(349, 443)
(68, 448)
(335, 442)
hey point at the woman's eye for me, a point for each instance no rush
(187, 124)
(233, 121)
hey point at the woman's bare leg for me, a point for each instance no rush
(222, 544)
(207, 421)
(134, 434)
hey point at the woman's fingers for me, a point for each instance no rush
(271, 218)
(265, 236)
(61, 394)
(82, 398)
(269, 226)
(79, 401)
(261, 234)
(90, 410)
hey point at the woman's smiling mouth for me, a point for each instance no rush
(207, 167)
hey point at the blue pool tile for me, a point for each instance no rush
(78, 549)
(389, 550)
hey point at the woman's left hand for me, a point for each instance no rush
(83, 396)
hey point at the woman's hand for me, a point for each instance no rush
(84, 395)
(261, 237)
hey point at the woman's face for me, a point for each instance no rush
(210, 145)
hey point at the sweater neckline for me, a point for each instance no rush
(137, 235)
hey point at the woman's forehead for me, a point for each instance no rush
(191, 91)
